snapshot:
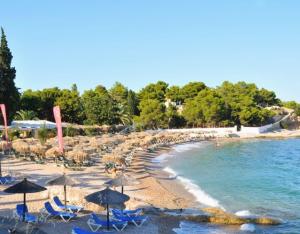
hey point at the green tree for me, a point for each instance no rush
(154, 91)
(48, 98)
(293, 105)
(191, 90)
(26, 115)
(30, 100)
(175, 94)
(119, 92)
(152, 114)
(123, 115)
(266, 98)
(71, 105)
(100, 107)
(206, 108)
(193, 114)
(175, 120)
(9, 94)
(245, 102)
(132, 103)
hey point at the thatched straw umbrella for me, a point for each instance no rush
(107, 197)
(38, 149)
(21, 146)
(121, 181)
(53, 152)
(65, 181)
(77, 155)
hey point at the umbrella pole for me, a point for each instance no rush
(107, 216)
(65, 189)
(122, 189)
(24, 208)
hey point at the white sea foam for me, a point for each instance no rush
(188, 146)
(248, 227)
(243, 213)
(170, 171)
(196, 228)
(177, 149)
(200, 195)
(162, 157)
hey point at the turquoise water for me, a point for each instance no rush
(256, 177)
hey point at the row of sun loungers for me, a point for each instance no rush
(67, 213)
(121, 218)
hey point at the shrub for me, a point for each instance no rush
(92, 131)
(42, 134)
(70, 131)
(13, 134)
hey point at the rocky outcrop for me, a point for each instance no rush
(218, 216)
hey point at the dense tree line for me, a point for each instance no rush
(157, 105)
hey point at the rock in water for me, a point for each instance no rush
(248, 227)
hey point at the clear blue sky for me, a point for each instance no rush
(57, 43)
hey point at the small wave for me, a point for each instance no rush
(162, 157)
(176, 149)
(188, 146)
(195, 190)
(196, 228)
(248, 227)
(170, 171)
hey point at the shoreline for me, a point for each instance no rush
(177, 187)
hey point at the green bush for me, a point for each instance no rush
(42, 134)
(13, 134)
(71, 132)
(92, 131)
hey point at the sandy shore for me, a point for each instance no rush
(156, 189)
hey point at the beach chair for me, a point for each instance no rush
(70, 208)
(6, 180)
(133, 213)
(77, 230)
(50, 212)
(95, 223)
(136, 220)
(18, 214)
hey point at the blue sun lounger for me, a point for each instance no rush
(70, 208)
(29, 218)
(136, 220)
(65, 216)
(6, 180)
(95, 223)
(131, 213)
(77, 230)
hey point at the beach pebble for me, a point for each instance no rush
(248, 227)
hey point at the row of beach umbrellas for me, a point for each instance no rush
(104, 197)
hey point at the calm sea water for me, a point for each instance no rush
(255, 177)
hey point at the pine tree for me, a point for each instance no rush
(9, 94)
(132, 103)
